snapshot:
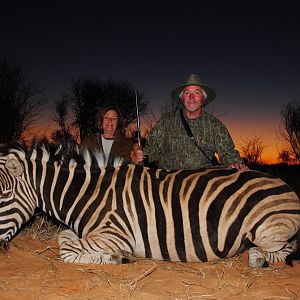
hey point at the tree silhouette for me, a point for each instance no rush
(88, 95)
(284, 156)
(252, 150)
(290, 128)
(20, 101)
(63, 135)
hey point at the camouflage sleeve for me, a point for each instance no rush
(154, 143)
(225, 146)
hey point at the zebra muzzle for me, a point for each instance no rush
(4, 246)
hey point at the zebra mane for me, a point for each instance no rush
(62, 153)
(96, 157)
(12, 147)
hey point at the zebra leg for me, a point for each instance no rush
(67, 235)
(90, 250)
(295, 255)
(259, 258)
(76, 250)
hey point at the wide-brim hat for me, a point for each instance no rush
(193, 79)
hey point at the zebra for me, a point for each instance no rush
(122, 213)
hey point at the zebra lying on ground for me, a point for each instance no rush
(133, 211)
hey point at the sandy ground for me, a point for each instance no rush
(31, 269)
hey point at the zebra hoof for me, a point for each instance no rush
(257, 258)
(4, 246)
(124, 257)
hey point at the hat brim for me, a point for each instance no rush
(210, 92)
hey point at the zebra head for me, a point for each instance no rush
(16, 204)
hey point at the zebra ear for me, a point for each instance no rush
(14, 167)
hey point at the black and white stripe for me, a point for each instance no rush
(177, 215)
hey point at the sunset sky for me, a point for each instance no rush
(248, 51)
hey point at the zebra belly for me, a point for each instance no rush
(185, 249)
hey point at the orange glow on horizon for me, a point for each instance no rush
(239, 132)
(266, 130)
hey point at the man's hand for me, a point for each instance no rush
(137, 155)
(238, 166)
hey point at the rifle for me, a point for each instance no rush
(137, 133)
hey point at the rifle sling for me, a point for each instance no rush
(191, 136)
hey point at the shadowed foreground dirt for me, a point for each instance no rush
(32, 270)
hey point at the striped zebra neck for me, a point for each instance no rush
(58, 177)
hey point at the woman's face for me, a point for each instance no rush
(110, 123)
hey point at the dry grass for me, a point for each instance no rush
(42, 228)
(225, 279)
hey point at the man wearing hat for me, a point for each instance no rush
(189, 137)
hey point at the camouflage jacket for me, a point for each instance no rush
(121, 146)
(170, 144)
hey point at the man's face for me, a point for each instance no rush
(192, 98)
